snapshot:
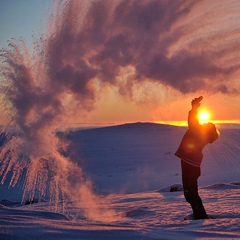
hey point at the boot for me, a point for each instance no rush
(199, 212)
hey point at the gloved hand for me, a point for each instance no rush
(196, 102)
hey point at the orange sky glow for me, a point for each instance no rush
(130, 66)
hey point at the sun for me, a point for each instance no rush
(204, 116)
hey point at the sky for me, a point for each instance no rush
(22, 18)
(162, 56)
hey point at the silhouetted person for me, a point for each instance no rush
(190, 152)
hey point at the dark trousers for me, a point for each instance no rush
(190, 174)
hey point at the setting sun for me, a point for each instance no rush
(204, 116)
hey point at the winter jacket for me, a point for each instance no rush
(193, 141)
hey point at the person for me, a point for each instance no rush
(190, 152)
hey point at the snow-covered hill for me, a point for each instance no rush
(133, 168)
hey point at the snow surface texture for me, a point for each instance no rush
(138, 182)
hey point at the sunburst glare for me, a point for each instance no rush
(204, 116)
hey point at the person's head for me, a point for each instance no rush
(211, 132)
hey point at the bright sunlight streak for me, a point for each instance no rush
(203, 116)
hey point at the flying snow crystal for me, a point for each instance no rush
(90, 44)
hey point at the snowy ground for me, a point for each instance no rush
(132, 168)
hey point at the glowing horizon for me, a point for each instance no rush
(184, 123)
(181, 123)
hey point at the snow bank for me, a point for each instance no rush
(223, 186)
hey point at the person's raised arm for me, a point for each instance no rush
(193, 122)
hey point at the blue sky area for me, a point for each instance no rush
(22, 18)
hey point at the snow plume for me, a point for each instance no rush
(187, 45)
(33, 155)
(93, 44)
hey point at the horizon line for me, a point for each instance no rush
(184, 123)
(180, 123)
